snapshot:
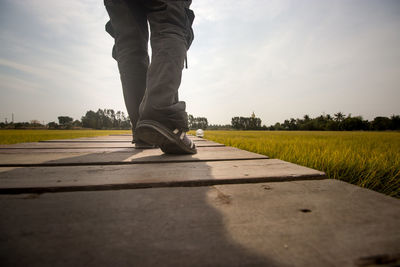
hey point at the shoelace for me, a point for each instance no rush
(183, 134)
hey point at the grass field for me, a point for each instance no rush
(366, 159)
(24, 136)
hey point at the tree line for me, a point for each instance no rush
(109, 119)
(338, 122)
(197, 122)
(101, 119)
(325, 122)
(246, 123)
(106, 119)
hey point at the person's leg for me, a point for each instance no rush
(170, 28)
(163, 119)
(128, 26)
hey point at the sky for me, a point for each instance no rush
(280, 59)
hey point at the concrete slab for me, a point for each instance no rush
(71, 157)
(54, 179)
(302, 223)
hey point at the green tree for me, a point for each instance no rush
(339, 117)
(381, 124)
(77, 123)
(197, 122)
(64, 120)
(354, 123)
(90, 120)
(52, 125)
(246, 123)
(395, 122)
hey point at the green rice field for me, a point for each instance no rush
(366, 159)
(25, 136)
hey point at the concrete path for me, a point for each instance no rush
(98, 201)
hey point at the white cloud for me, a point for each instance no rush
(9, 82)
(244, 10)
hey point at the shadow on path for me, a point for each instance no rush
(178, 226)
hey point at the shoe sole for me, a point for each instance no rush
(141, 145)
(155, 133)
(145, 146)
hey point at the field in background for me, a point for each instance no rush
(24, 136)
(366, 159)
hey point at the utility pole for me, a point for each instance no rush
(12, 116)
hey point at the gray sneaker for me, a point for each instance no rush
(170, 142)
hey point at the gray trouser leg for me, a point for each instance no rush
(128, 26)
(169, 30)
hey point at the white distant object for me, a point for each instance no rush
(200, 133)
